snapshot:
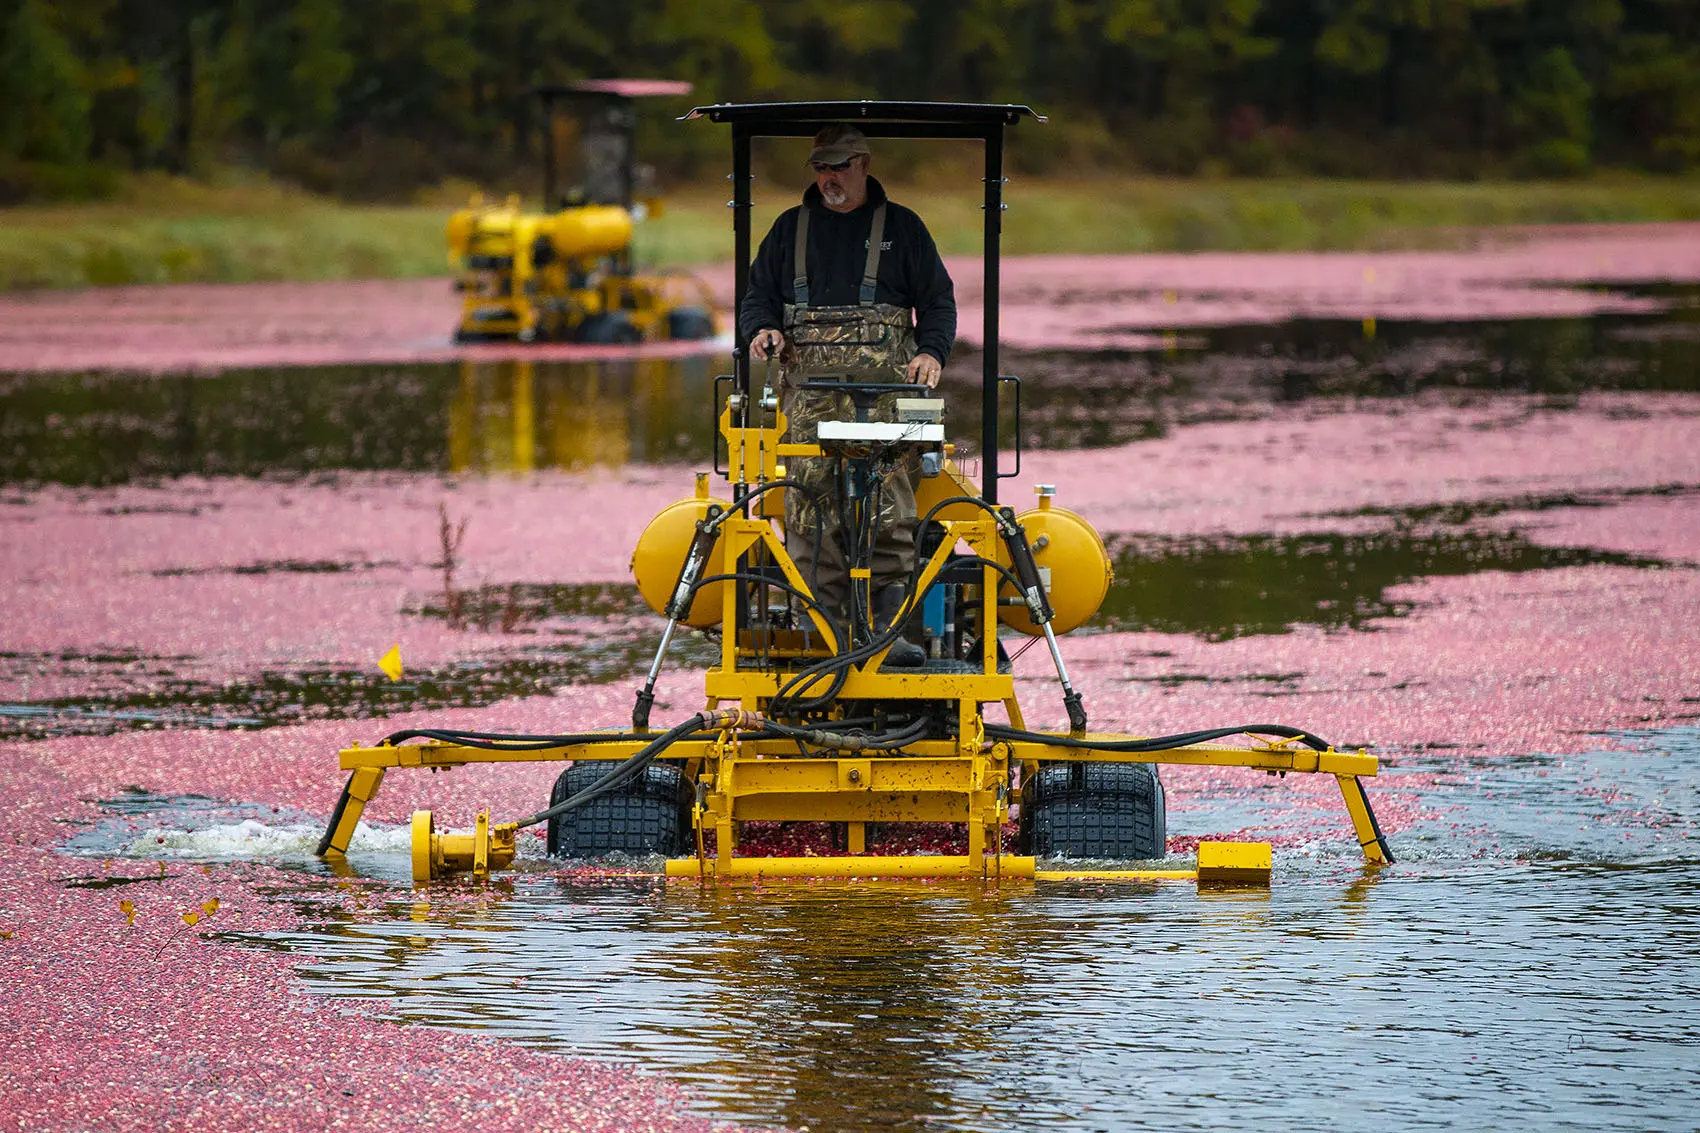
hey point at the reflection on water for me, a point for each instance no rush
(1096, 399)
(517, 415)
(504, 416)
(1535, 943)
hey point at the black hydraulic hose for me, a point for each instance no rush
(853, 740)
(744, 576)
(920, 563)
(1159, 743)
(1374, 825)
(770, 486)
(629, 769)
(869, 537)
(839, 664)
(510, 741)
(981, 560)
(634, 765)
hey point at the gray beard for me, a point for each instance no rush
(834, 195)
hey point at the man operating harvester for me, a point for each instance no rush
(850, 287)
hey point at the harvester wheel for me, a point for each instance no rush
(612, 327)
(689, 323)
(649, 815)
(1093, 810)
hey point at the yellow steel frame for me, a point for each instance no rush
(531, 290)
(742, 778)
(528, 292)
(745, 779)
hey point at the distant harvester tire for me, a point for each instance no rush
(1093, 810)
(685, 323)
(649, 815)
(613, 327)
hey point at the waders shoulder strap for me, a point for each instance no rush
(800, 268)
(876, 235)
(800, 259)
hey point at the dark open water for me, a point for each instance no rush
(1533, 961)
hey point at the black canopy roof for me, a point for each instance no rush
(866, 111)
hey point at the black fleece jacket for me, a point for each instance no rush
(911, 273)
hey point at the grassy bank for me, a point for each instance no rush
(165, 231)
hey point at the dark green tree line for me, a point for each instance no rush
(375, 98)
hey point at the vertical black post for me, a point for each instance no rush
(740, 247)
(989, 378)
(627, 110)
(740, 203)
(548, 116)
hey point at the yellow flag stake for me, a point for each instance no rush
(390, 663)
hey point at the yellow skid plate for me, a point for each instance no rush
(928, 865)
(1219, 863)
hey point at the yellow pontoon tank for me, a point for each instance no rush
(1068, 551)
(589, 231)
(661, 551)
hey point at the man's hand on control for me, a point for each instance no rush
(924, 370)
(765, 341)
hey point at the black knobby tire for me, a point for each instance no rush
(613, 327)
(649, 815)
(1093, 810)
(689, 323)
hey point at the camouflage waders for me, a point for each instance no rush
(870, 342)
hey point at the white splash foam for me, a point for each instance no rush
(251, 839)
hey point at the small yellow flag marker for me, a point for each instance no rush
(390, 663)
(207, 909)
(191, 918)
(129, 910)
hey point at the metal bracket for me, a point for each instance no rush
(1002, 378)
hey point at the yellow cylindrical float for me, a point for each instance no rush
(660, 554)
(1078, 564)
(589, 231)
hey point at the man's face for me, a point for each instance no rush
(843, 189)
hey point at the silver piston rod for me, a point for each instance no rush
(1039, 609)
(684, 591)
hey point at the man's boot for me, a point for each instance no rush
(905, 654)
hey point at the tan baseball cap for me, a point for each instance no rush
(838, 143)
